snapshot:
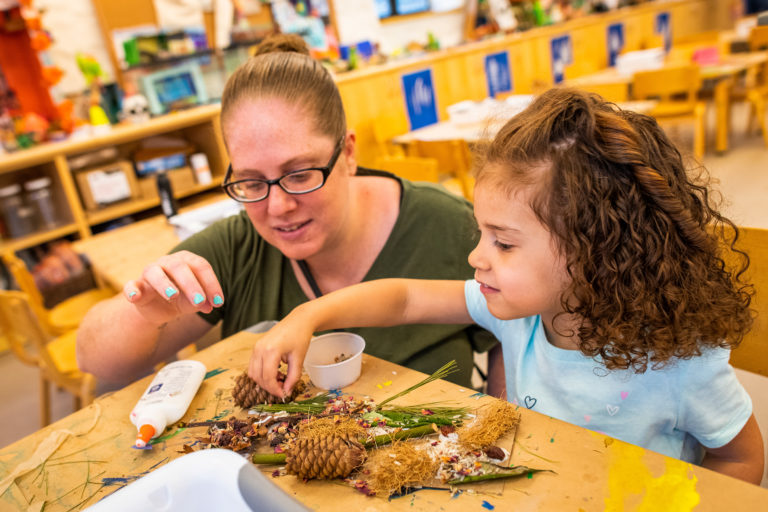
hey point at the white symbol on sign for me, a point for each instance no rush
(421, 95)
(615, 41)
(494, 75)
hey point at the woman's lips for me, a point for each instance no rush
(291, 231)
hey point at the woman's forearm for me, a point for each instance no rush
(115, 343)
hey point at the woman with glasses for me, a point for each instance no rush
(313, 222)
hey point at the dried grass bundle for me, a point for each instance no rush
(399, 466)
(343, 426)
(493, 421)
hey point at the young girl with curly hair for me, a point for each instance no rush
(600, 266)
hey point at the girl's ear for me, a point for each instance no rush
(348, 153)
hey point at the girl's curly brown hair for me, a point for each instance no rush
(642, 240)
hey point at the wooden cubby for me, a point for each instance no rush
(199, 126)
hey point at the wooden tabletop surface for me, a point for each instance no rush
(120, 255)
(88, 455)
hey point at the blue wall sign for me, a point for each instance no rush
(497, 73)
(562, 55)
(420, 98)
(664, 28)
(614, 42)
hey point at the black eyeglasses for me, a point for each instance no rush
(302, 181)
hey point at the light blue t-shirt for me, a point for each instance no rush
(656, 409)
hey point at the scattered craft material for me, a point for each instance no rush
(341, 357)
(398, 467)
(330, 435)
(495, 420)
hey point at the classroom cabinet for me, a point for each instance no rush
(199, 127)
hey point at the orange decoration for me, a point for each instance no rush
(40, 40)
(36, 125)
(52, 75)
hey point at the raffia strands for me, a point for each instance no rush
(343, 426)
(402, 465)
(493, 421)
(324, 457)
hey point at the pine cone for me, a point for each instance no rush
(247, 393)
(324, 457)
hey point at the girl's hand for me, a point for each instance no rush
(288, 342)
(175, 285)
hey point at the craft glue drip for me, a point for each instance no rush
(166, 399)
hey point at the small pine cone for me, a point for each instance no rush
(247, 393)
(324, 457)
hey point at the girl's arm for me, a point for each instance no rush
(742, 458)
(373, 304)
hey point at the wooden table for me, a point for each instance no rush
(722, 75)
(87, 455)
(474, 132)
(119, 255)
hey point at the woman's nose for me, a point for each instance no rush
(279, 201)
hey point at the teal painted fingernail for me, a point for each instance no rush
(170, 292)
(217, 300)
(198, 298)
(131, 294)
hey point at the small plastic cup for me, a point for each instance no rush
(324, 352)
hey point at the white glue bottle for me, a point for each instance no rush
(167, 398)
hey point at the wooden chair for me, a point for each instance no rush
(54, 356)
(415, 168)
(757, 90)
(385, 128)
(453, 158)
(676, 88)
(752, 354)
(616, 92)
(66, 315)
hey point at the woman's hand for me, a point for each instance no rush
(287, 342)
(175, 285)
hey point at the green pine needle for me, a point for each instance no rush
(446, 370)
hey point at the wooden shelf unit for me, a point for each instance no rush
(200, 126)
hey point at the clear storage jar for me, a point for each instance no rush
(40, 198)
(19, 218)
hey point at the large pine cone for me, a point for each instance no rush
(324, 457)
(248, 394)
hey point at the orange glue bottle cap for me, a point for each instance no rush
(145, 434)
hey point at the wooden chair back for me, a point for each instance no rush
(752, 354)
(385, 128)
(615, 92)
(667, 84)
(25, 280)
(30, 342)
(758, 39)
(412, 168)
(26, 336)
(66, 315)
(453, 157)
